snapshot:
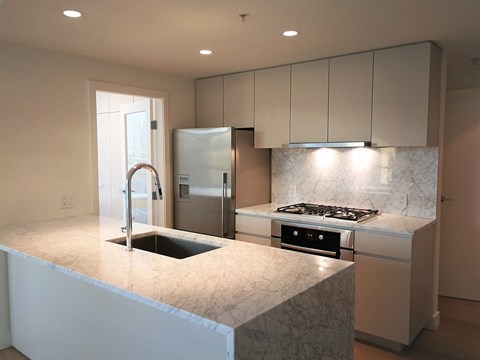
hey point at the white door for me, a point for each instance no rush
(136, 120)
(460, 226)
(140, 147)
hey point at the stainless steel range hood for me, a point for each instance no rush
(346, 144)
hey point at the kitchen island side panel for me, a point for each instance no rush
(316, 324)
(5, 340)
(56, 316)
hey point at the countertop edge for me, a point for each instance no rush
(199, 320)
(405, 225)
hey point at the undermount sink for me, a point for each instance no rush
(168, 246)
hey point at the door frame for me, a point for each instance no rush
(93, 87)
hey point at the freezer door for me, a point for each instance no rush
(203, 160)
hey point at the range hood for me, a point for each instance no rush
(346, 144)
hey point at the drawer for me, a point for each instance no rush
(253, 239)
(383, 245)
(253, 225)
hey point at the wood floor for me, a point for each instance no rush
(457, 338)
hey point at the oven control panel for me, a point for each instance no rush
(310, 238)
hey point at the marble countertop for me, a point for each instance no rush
(221, 289)
(386, 223)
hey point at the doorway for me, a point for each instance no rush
(130, 128)
(459, 268)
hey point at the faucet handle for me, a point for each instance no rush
(124, 229)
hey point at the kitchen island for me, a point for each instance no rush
(74, 294)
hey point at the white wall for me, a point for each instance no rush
(463, 76)
(45, 135)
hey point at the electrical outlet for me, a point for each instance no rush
(67, 200)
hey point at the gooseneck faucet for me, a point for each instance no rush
(128, 196)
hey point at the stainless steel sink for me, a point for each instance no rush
(168, 246)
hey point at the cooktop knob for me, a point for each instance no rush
(320, 237)
(295, 233)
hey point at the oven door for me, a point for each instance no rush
(317, 240)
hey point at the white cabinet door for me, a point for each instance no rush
(350, 98)
(253, 229)
(272, 107)
(253, 239)
(209, 102)
(406, 96)
(382, 298)
(238, 98)
(309, 113)
(398, 247)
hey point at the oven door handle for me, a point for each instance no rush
(310, 250)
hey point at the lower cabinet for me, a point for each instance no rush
(382, 298)
(393, 286)
(255, 230)
(393, 280)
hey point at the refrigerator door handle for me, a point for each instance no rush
(224, 195)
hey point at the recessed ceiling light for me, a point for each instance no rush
(206, 52)
(72, 13)
(290, 33)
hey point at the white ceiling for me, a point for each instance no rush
(165, 35)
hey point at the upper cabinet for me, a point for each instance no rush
(406, 96)
(350, 98)
(390, 97)
(272, 107)
(238, 98)
(309, 102)
(209, 102)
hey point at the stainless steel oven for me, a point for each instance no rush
(313, 239)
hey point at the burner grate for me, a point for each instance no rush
(330, 211)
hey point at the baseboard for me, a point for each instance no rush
(5, 346)
(389, 344)
(433, 323)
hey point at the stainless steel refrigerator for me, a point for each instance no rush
(215, 171)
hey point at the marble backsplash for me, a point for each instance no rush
(399, 181)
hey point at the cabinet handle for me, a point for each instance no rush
(224, 195)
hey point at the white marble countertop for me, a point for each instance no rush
(386, 223)
(221, 289)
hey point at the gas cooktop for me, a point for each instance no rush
(330, 211)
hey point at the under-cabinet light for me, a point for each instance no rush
(348, 144)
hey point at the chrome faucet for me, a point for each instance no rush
(128, 196)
